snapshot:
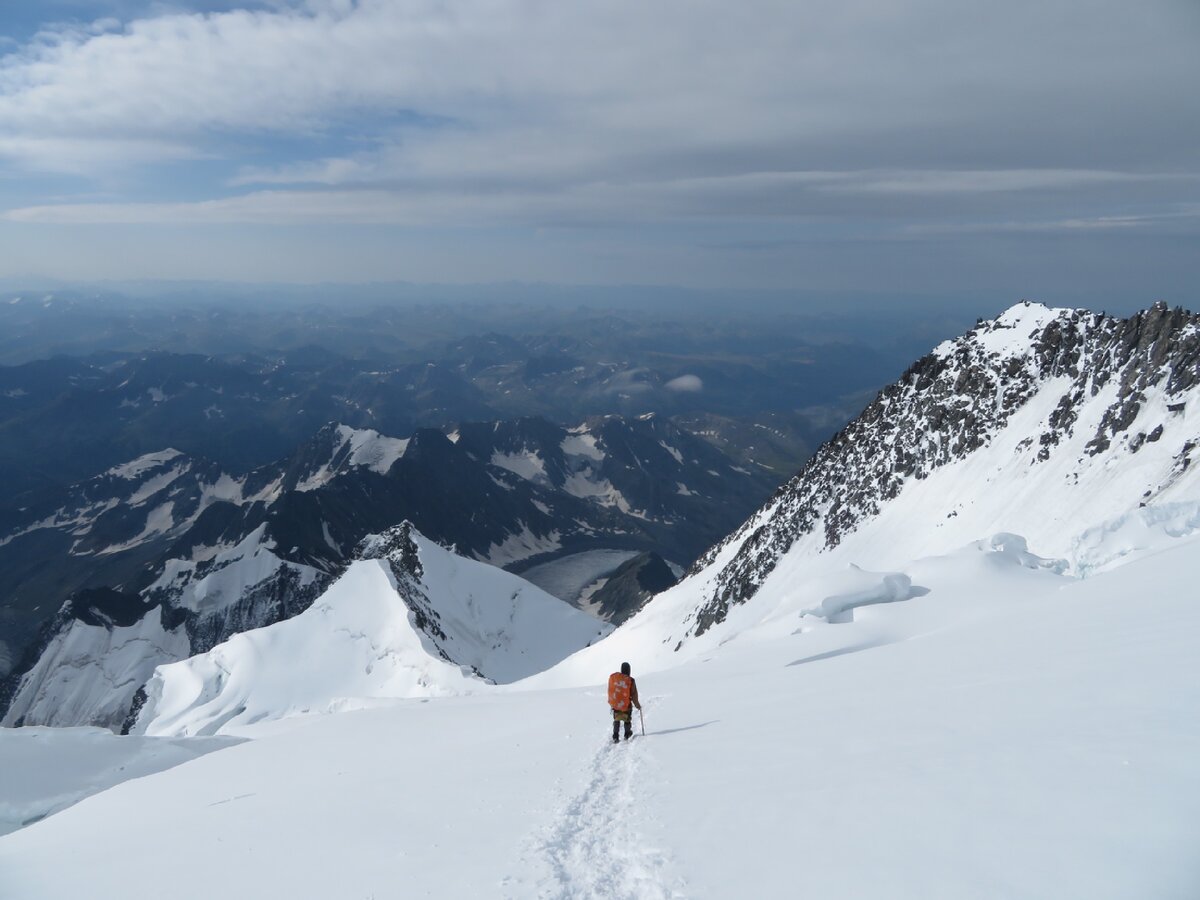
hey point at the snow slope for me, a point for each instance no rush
(1006, 732)
(411, 619)
(50, 769)
(93, 668)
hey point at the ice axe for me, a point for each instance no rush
(643, 720)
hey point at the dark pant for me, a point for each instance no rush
(620, 716)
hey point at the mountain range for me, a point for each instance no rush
(89, 382)
(166, 556)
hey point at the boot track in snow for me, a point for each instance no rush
(593, 849)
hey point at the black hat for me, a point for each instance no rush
(625, 668)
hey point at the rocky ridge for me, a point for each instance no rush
(1140, 373)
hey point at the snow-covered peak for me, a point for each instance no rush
(1009, 334)
(1027, 313)
(224, 575)
(223, 554)
(407, 619)
(139, 505)
(1043, 423)
(345, 448)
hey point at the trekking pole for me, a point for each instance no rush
(643, 720)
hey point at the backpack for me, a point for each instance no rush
(618, 691)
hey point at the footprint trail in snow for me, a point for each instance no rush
(593, 849)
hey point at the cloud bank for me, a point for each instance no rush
(862, 118)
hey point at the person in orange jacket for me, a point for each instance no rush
(622, 698)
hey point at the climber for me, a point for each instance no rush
(622, 697)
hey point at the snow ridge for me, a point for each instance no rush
(408, 618)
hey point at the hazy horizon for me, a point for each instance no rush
(651, 298)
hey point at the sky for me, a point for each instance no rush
(1048, 149)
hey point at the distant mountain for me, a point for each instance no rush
(168, 555)
(407, 618)
(64, 420)
(680, 488)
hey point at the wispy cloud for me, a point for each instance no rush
(99, 154)
(989, 181)
(350, 191)
(1186, 214)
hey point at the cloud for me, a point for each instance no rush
(617, 86)
(98, 154)
(768, 124)
(685, 384)
(1183, 215)
(976, 181)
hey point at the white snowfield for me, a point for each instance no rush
(90, 672)
(137, 467)
(1005, 732)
